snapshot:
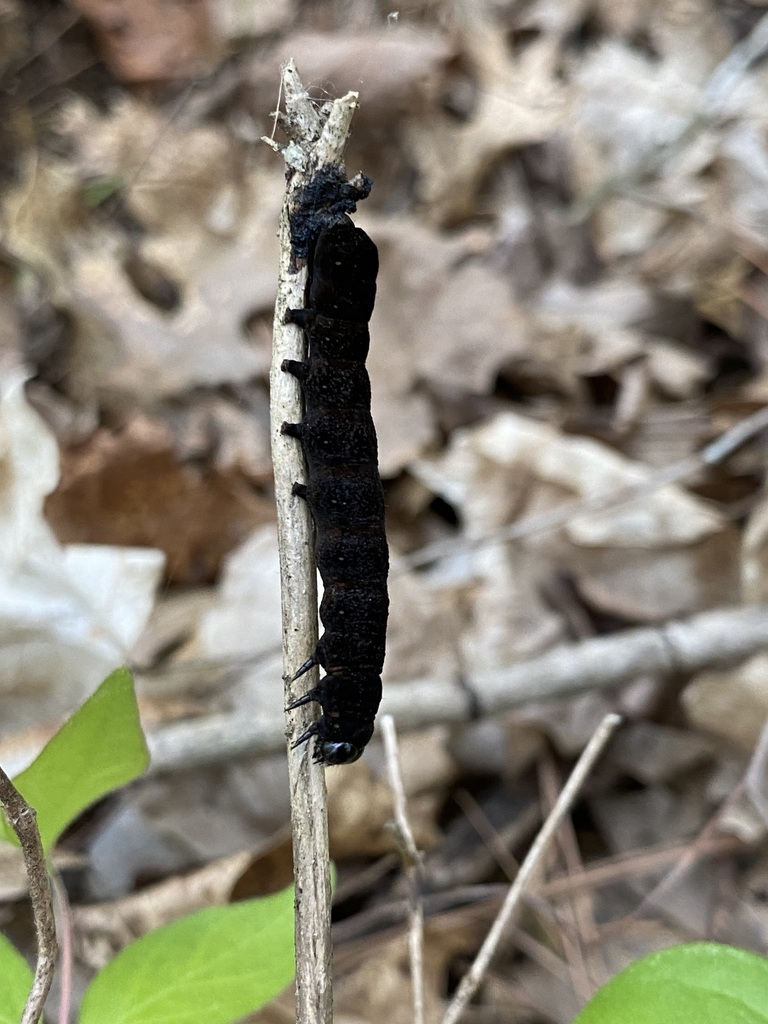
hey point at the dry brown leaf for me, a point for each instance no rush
(427, 767)
(130, 489)
(677, 373)
(654, 585)
(565, 468)
(243, 621)
(233, 434)
(420, 610)
(519, 102)
(754, 554)
(210, 228)
(152, 41)
(369, 979)
(653, 816)
(10, 334)
(654, 753)
(270, 870)
(441, 317)
(666, 550)
(731, 704)
(126, 351)
(171, 173)
(359, 813)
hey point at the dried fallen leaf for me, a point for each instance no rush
(151, 41)
(130, 489)
(519, 102)
(732, 704)
(68, 615)
(442, 317)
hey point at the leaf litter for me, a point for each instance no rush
(570, 207)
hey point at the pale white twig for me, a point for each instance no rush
(722, 637)
(413, 866)
(474, 975)
(23, 820)
(316, 139)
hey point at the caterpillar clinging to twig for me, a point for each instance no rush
(343, 488)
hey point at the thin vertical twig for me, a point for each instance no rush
(413, 867)
(316, 139)
(23, 820)
(577, 926)
(471, 980)
(65, 930)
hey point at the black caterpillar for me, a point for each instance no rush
(343, 489)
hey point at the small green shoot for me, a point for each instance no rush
(99, 190)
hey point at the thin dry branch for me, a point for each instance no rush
(413, 868)
(23, 820)
(317, 138)
(712, 454)
(473, 977)
(712, 639)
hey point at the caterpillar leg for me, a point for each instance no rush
(301, 317)
(295, 367)
(308, 664)
(293, 430)
(306, 735)
(307, 698)
(301, 491)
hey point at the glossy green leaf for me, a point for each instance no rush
(700, 983)
(15, 982)
(215, 966)
(100, 748)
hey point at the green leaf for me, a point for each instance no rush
(700, 983)
(15, 982)
(215, 966)
(98, 749)
(99, 189)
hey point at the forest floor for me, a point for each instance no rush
(569, 365)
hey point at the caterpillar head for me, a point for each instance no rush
(336, 752)
(338, 742)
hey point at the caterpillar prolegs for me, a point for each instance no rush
(343, 488)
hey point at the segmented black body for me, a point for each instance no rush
(343, 488)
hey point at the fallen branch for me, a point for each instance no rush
(684, 647)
